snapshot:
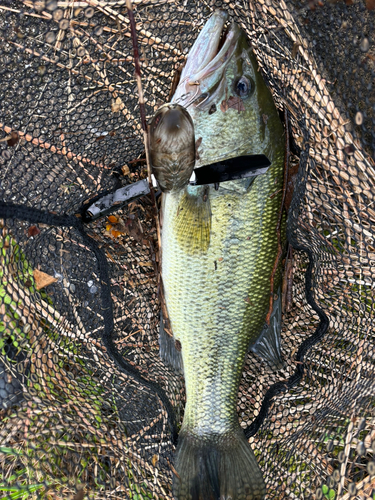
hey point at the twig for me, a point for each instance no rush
(45, 15)
(279, 247)
(113, 14)
(137, 72)
(288, 281)
(362, 486)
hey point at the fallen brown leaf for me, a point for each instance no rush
(117, 105)
(42, 279)
(33, 231)
(79, 495)
(125, 170)
(13, 140)
(133, 228)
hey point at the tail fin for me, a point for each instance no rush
(221, 467)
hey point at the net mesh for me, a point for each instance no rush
(77, 422)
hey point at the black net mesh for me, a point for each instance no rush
(84, 416)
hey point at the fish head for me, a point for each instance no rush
(224, 92)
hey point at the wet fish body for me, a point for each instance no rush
(218, 251)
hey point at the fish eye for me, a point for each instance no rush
(244, 86)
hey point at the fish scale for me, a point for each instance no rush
(217, 300)
(219, 246)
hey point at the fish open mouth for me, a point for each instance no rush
(207, 60)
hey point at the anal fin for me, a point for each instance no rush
(268, 344)
(169, 353)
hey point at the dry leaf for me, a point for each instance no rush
(13, 140)
(125, 170)
(117, 105)
(134, 229)
(42, 279)
(133, 205)
(146, 264)
(79, 495)
(295, 49)
(33, 231)
(154, 460)
(115, 227)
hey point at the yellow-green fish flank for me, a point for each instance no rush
(218, 250)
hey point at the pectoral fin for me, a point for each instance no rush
(268, 345)
(193, 221)
(169, 353)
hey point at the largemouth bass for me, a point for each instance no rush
(219, 245)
